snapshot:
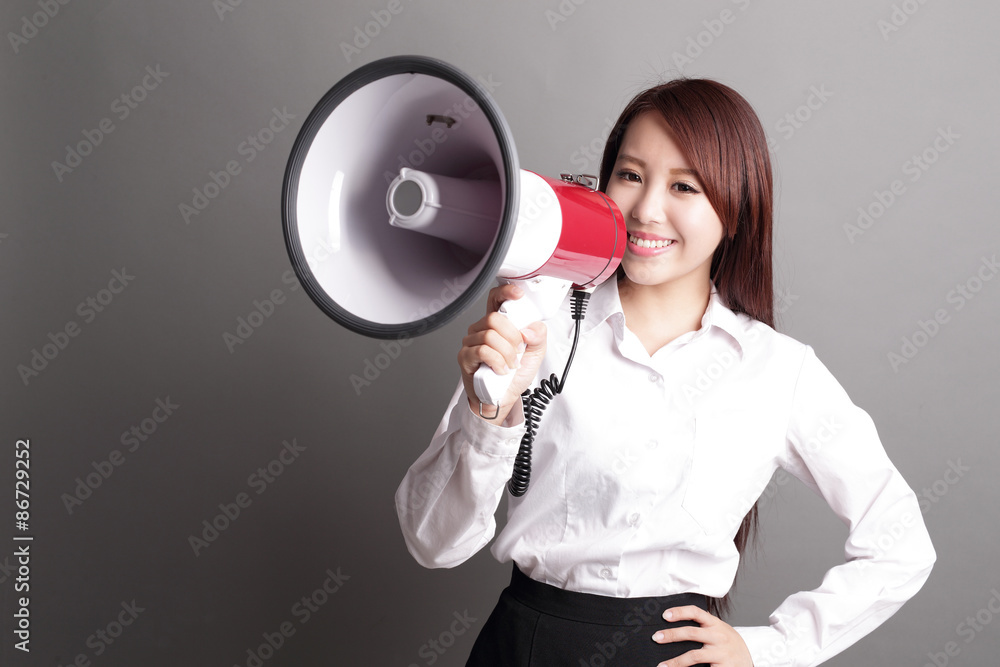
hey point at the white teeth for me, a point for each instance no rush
(644, 243)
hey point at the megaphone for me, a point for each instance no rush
(403, 201)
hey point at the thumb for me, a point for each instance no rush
(534, 336)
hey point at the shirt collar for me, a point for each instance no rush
(719, 315)
(605, 305)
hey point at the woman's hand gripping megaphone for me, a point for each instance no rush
(501, 354)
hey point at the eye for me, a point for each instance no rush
(681, 186)
(628, 175)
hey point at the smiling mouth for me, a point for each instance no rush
(647, 243)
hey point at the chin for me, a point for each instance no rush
(642, 274)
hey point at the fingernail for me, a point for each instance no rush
(667, 615)
(522, 347)
(658, 637)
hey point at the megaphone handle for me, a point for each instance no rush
(542, 299)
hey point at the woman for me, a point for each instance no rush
(683, 402)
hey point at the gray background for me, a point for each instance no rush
(561, 72)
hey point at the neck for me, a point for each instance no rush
(658, 314)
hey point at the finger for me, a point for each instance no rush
(692, 657)
(500, 294)
(504, 337)
(480, 355)
(689, 613)
(685, 633)
(490, 348)
(505, 327)
(499, 332)
(501, 323)
(534, 336)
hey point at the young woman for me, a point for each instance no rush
(681, 404)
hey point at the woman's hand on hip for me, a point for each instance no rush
(722, 646)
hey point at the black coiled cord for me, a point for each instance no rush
(535, 401)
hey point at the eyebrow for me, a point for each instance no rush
(642, 163)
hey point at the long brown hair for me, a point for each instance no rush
(722, 139)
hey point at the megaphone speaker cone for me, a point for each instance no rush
(402, 113)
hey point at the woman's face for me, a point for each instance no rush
(673, 229)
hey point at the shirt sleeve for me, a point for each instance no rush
(447, 501)
(833, 447)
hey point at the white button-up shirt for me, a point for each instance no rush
(645, 466)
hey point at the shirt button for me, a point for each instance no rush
(654, 377)
(606, 573)
(652, 444)
(633, 519)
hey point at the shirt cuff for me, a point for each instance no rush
(768, 647)
(491, 439)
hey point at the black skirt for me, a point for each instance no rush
(539, 625)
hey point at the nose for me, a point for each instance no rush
(650, 207)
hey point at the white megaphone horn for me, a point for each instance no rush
(403, 202)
